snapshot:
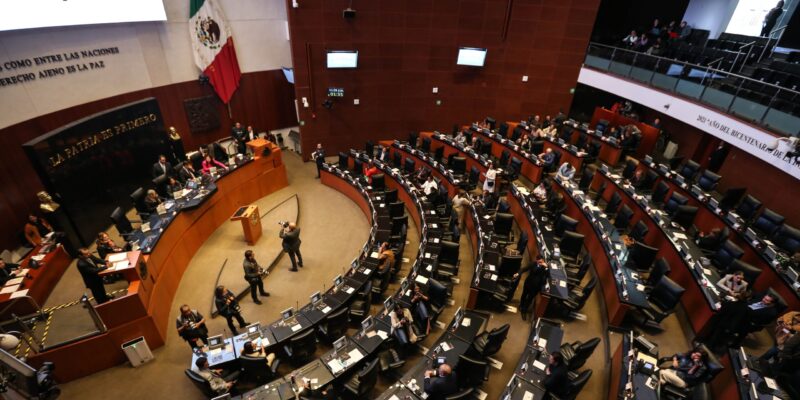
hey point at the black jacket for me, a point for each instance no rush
(158, 171)
(291, 240)
(536, 276)
(226, 309)
(558, 381)
(440, 387)
(89, 268)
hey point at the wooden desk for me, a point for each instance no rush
(41, 282)
(251, 223)
(129, 272)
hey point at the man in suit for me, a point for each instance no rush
(187, 172)
(537, 275)
(548, 157)
(771, 19)
(734, 319)
(250, 134)
(319, 157)
(443, 385)
(90, 266)
(252, 274)
(240, 136)
(162, 167)
(219, 384)
(556, 380)
(291, 244)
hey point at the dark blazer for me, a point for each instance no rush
(151, 205)
(440, 387)
(185, 174)
(251, 270)
(225, 309)
(557, 382)
(89, 268)
(158, 171)
(291, 240)
(536, 276)
(762, 316)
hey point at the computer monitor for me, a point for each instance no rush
(287, 313)
(457, 317)
(459, 165)
(388, 304)
(731, 198)
(366, 323)
(339, 344)
(343, 161)
(216, 342)
(338, 280)
(253, 330)
(404, 286)
(684, 216)
(315, 297)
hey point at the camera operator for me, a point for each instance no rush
(252, 274)
(192, 326)
(291, 243)
(228, 307)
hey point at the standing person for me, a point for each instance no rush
(291, 244)
(460, 203)
(537, 275)
(35, 229)
(490, 183)
(319, 157)
(239, 135)
(252, 274)
(90, 266)
(717, 157)
(228, 307)
(162, 167)
(772, 18)
(440, 384)
(191, 326)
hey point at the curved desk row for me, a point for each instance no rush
(610, 152)
(144, 310)
(569, 153)
(756, 250)
(531, 165)
(526, 383)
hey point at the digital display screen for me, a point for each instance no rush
(342, 59)
(48, 13)
(335, 92)
(471, 56)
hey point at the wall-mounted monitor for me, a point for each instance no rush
(342, 58)
(471, 56)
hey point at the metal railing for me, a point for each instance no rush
(771, 106)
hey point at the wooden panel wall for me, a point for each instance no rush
(264, 100)
(407, 47)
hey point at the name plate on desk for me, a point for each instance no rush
(648, 160)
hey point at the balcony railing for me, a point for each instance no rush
(770, 106)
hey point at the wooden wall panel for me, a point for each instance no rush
(407, 47)
(264, 100)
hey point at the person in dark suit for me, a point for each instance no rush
(537, 275)
(187, 172)
(717, 157)
(151, 201)
(90, 266)
(228, 307)
(556, 380)
(173, 186)
(291, 244)
(686, 370)
(162, 167)
(735, 318)
(443, 385)
(240, 136)
(319, 157)
(548, 157)
(5, 271)
(772, 18)
(250, 134)
(252, 274)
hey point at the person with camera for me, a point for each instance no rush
(290, 234)
(228, 307)
(252, 274)
(192, 326)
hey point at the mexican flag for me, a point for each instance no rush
(213, 47)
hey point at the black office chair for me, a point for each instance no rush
(509, 265)
(578, 295)
(659, 193)
(576, 353)
(555, 205)
(575, 386)
(397, 209)
(426, 145)
(378, 182)
(639, 230)
(623, 218)
(437, 296)
(137, 197)
(630, 168)
(397, 160)
(660, 269)
(488, 344)
(724, 256)
(675, 162)
(474, 177)
(675, 200)
(750, 271)
(571, 244)
(362, 383)
(160, 185)
(650, 177)
(463, 394)
(196, 159)
(586, 179)
(201, 383)
(503, 223)
(641, 256)
(334, 325)
(301, 348)
(438, 154)
(471, 372)
(122, 223)
(708, 180)
(505, 157)
(256, 370)
(390, 360)
(748, 207)
(359, 309)
(709, 248)
(390, 196)
(661, 301)
(787, 238)
(576, 273)
(768, 222)
(613, 204)
(689, 170)
(563, 224)
(447, 262)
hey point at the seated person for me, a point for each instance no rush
(173, 186)
(401, 321)
(421, 302)
(187, 172)
(251, 349)
(151, 201)
(35, 229)
(566, 171)
(733, 284)
(442, 384)
(736, 318)
(709, 240)
(637, 179)
(543, 190)
(386, 257)
(106, 246)
(209, 162)
(370, 170)
(787, 326)
(524, 142)
(631, 40)
(556, 382)
(430, 187)
(548, 157)
(461, 137)
(687, 369)
(422, 174)
(219, 384)
(5, 271)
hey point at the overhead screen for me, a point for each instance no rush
(46, 13)
(470, 56)
(342, 59)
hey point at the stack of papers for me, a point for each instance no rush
(117, 257)
(19, 293)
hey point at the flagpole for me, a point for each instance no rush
(230, 114)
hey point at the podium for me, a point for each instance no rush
(257, 146)
(251, 223)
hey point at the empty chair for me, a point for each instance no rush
(662, 300)
(138, 202)
(689, 170)
(122, 223)
(334, 325)
(748, 207)
(160, 185)
(641, 256)
(639, 230)
(503, 223)
(563, 224)
(571, 244)
(426, 145)
(503, 130)
(509, 265)
(437, 295)
(768, 222)
(301, 348)
(362, 383)
(505, 157)
(623, 219)
(397, 209)
(586, 179)
(256, 370)
(725, 255)
(708, 180)
(787, 238)
(438, 154)
(474, 176)
(674, 162)
(675, 200)
(489, 343)
(659, 193)
(378, 182)
(447, 262)
(750, 271)
(390, 360)
(397, 160)
(471, 372)
(576, 385)
(576, 353)
(576, 273)
(630, 168)
(578, 296)
(660, 269)
(613, 204)
(359, 308)
(463, 394)
(409, 165)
